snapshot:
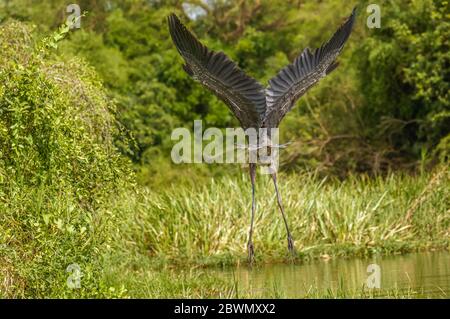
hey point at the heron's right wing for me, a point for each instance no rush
(243, 94)
(308, 68)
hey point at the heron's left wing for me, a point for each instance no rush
(308, 68)
(242, 94)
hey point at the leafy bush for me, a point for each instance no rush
(58, 167)
(404, 72)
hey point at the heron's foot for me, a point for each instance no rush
(291, 245)
(251, 252)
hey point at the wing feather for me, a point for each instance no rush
(307, 69)
(242, 94)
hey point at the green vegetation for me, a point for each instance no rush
(358, 216)
(163, 234)
(85, 169)
(58, 167)
(175, 283)
(385, 108)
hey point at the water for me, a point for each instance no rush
(423, 274)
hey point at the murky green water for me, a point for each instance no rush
(427, 274)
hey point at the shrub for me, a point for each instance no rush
(58, 167)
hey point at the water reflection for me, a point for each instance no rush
(425, 273)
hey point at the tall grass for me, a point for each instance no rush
(166, 237)
(358, 216)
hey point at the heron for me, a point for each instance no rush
(253, 105)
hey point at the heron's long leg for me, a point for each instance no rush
(251, 252)
(289, 237)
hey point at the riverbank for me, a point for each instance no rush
(147, 243)
(359, 216)
(170, 240)
(414, 275)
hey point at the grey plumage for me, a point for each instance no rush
(253, 105)
(308, 68)
(243, 94)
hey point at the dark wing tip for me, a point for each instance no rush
(339, 38)
(174, 23)
(348, 24)
(351, 19)
(172, 18)
(183, 39)
(353, 15)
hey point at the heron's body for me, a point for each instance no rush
(252, 104)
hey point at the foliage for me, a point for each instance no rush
(359, 216)
(404, 72)
(384, 108)
(72, 103)
(58, 165)
(178, 242)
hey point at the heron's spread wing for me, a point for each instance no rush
(308, 68)
(244, 95)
